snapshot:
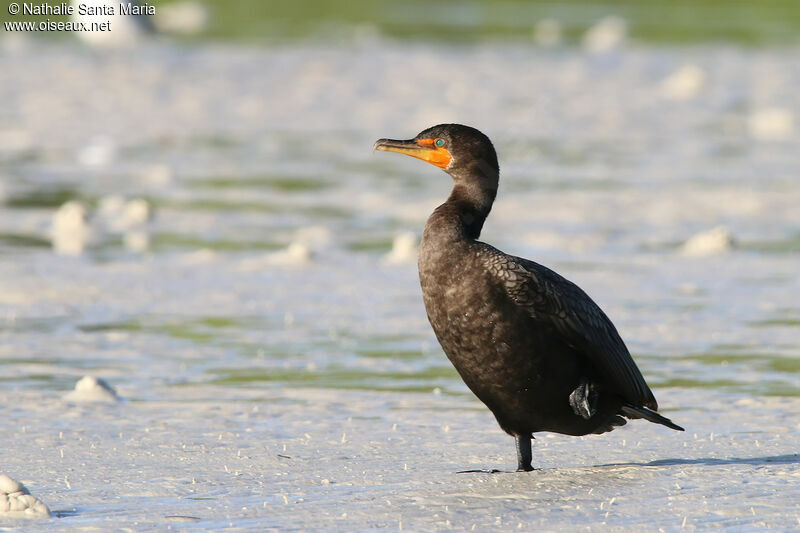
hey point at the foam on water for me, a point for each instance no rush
(17, 502)
(606, 35)
(602, 184)
(91, 389)
(714, 241)
(684, 84)
(70, 230)
(404, 249)
(771, 124)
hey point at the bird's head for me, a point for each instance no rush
(463, 152)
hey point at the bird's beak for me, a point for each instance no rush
(424, 149)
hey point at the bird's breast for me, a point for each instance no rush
(476, 323)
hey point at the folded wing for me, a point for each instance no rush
(551, 299)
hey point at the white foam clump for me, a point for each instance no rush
(771, 124)
(186, 18)
(547, 32)
(137, 211)
(300, 252)
(70, 231)
(715, 241)
(404, 249)
(17, 502)
(110, 206)
(136, 240)
(90, 389)
(120, 214)
(683, 84)
(296, 254)
(606, 35)
(98, 152)
(123, 31)
(203, 256)
(128, 217)
(157, 175)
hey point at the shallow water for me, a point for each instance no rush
(212, 328)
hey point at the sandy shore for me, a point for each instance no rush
(290, 460)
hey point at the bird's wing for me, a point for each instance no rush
(550, 298)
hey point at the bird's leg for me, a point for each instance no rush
(524, 455)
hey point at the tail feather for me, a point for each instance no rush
(642, 412)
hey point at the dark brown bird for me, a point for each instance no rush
(529, 343)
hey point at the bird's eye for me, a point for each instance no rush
(439, 142)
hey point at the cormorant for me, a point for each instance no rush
(529, 343)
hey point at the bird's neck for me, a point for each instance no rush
(462, 216)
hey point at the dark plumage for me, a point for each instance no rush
(529, 343)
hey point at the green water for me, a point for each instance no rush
(653, 21)
(656, 21)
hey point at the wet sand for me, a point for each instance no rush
(300, 459)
